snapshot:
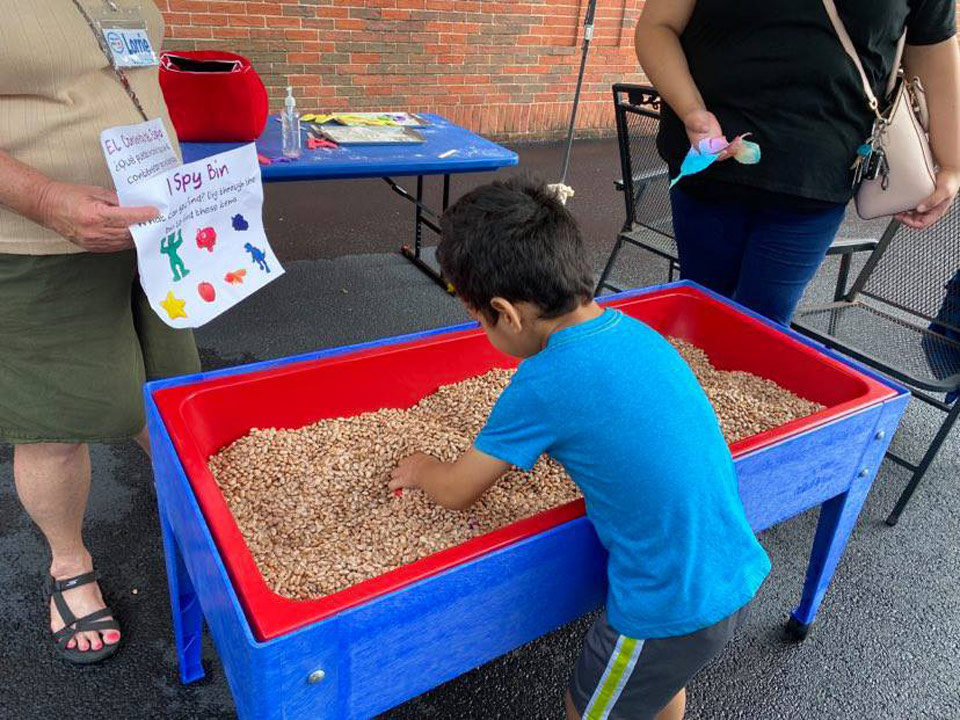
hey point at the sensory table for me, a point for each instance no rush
(365, 649)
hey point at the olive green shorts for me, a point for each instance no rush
(77, 341)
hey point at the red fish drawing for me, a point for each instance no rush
(235, 277)
(206, 238)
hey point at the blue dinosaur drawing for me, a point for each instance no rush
(258, 256)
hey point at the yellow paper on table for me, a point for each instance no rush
(364, 119)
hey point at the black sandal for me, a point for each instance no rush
(73, 625)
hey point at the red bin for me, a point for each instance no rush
(213, 96)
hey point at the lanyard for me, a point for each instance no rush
(121, 75)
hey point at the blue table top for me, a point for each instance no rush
(474, 154)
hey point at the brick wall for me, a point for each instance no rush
(506, 68)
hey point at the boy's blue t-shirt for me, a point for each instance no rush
(617, 406)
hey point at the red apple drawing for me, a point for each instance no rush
(207, 292)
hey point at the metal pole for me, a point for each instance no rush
(587, 37)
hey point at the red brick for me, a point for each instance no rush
(302, 58)
(301, 34)
(189, 32)
(229, 33)
(283, 22)
(176, 18)
(226, 7)
(317, 47)
(350, 24)
(188, 5)
(261, 8)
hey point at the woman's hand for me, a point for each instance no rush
(703, 124)
(933, 208)
(90, 217)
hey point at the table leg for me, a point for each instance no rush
(418, 214)
(420, 222)
(185, 607)
(838, 515)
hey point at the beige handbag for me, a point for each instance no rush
(894, 168)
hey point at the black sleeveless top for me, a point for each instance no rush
(776, 69)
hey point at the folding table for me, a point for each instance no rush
(447, 149)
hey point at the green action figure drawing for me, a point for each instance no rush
(169, 247)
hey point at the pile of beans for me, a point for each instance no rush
(745, 404)
(314, 509)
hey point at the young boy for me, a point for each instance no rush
(615, 404)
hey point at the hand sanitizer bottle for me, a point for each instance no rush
(290, 126)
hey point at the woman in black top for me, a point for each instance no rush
(757, 233)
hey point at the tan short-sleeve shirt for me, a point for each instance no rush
(57, 93)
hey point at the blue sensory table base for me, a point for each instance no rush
(448, 149)
(378, 654)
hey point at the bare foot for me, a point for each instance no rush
(82, 601)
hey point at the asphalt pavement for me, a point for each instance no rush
(886, 643)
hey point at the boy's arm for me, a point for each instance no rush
(455, 485)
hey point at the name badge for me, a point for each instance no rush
(129, 46)
(125, 37)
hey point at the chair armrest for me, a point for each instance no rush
(845, 246)
(645, 177)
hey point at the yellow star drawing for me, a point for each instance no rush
(174, 306)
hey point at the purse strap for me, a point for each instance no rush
(897, 59)
(844, 36)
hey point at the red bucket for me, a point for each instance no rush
(213, 96)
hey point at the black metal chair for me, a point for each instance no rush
(645, 180)
(645, 186)
(902, 317)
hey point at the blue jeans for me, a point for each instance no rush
(761, 257)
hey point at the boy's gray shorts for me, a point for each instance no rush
(620, 678)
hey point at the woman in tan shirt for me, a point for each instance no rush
(77, 337)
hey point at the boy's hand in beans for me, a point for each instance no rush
(409, 470)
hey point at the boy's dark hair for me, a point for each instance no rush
(514, 240)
